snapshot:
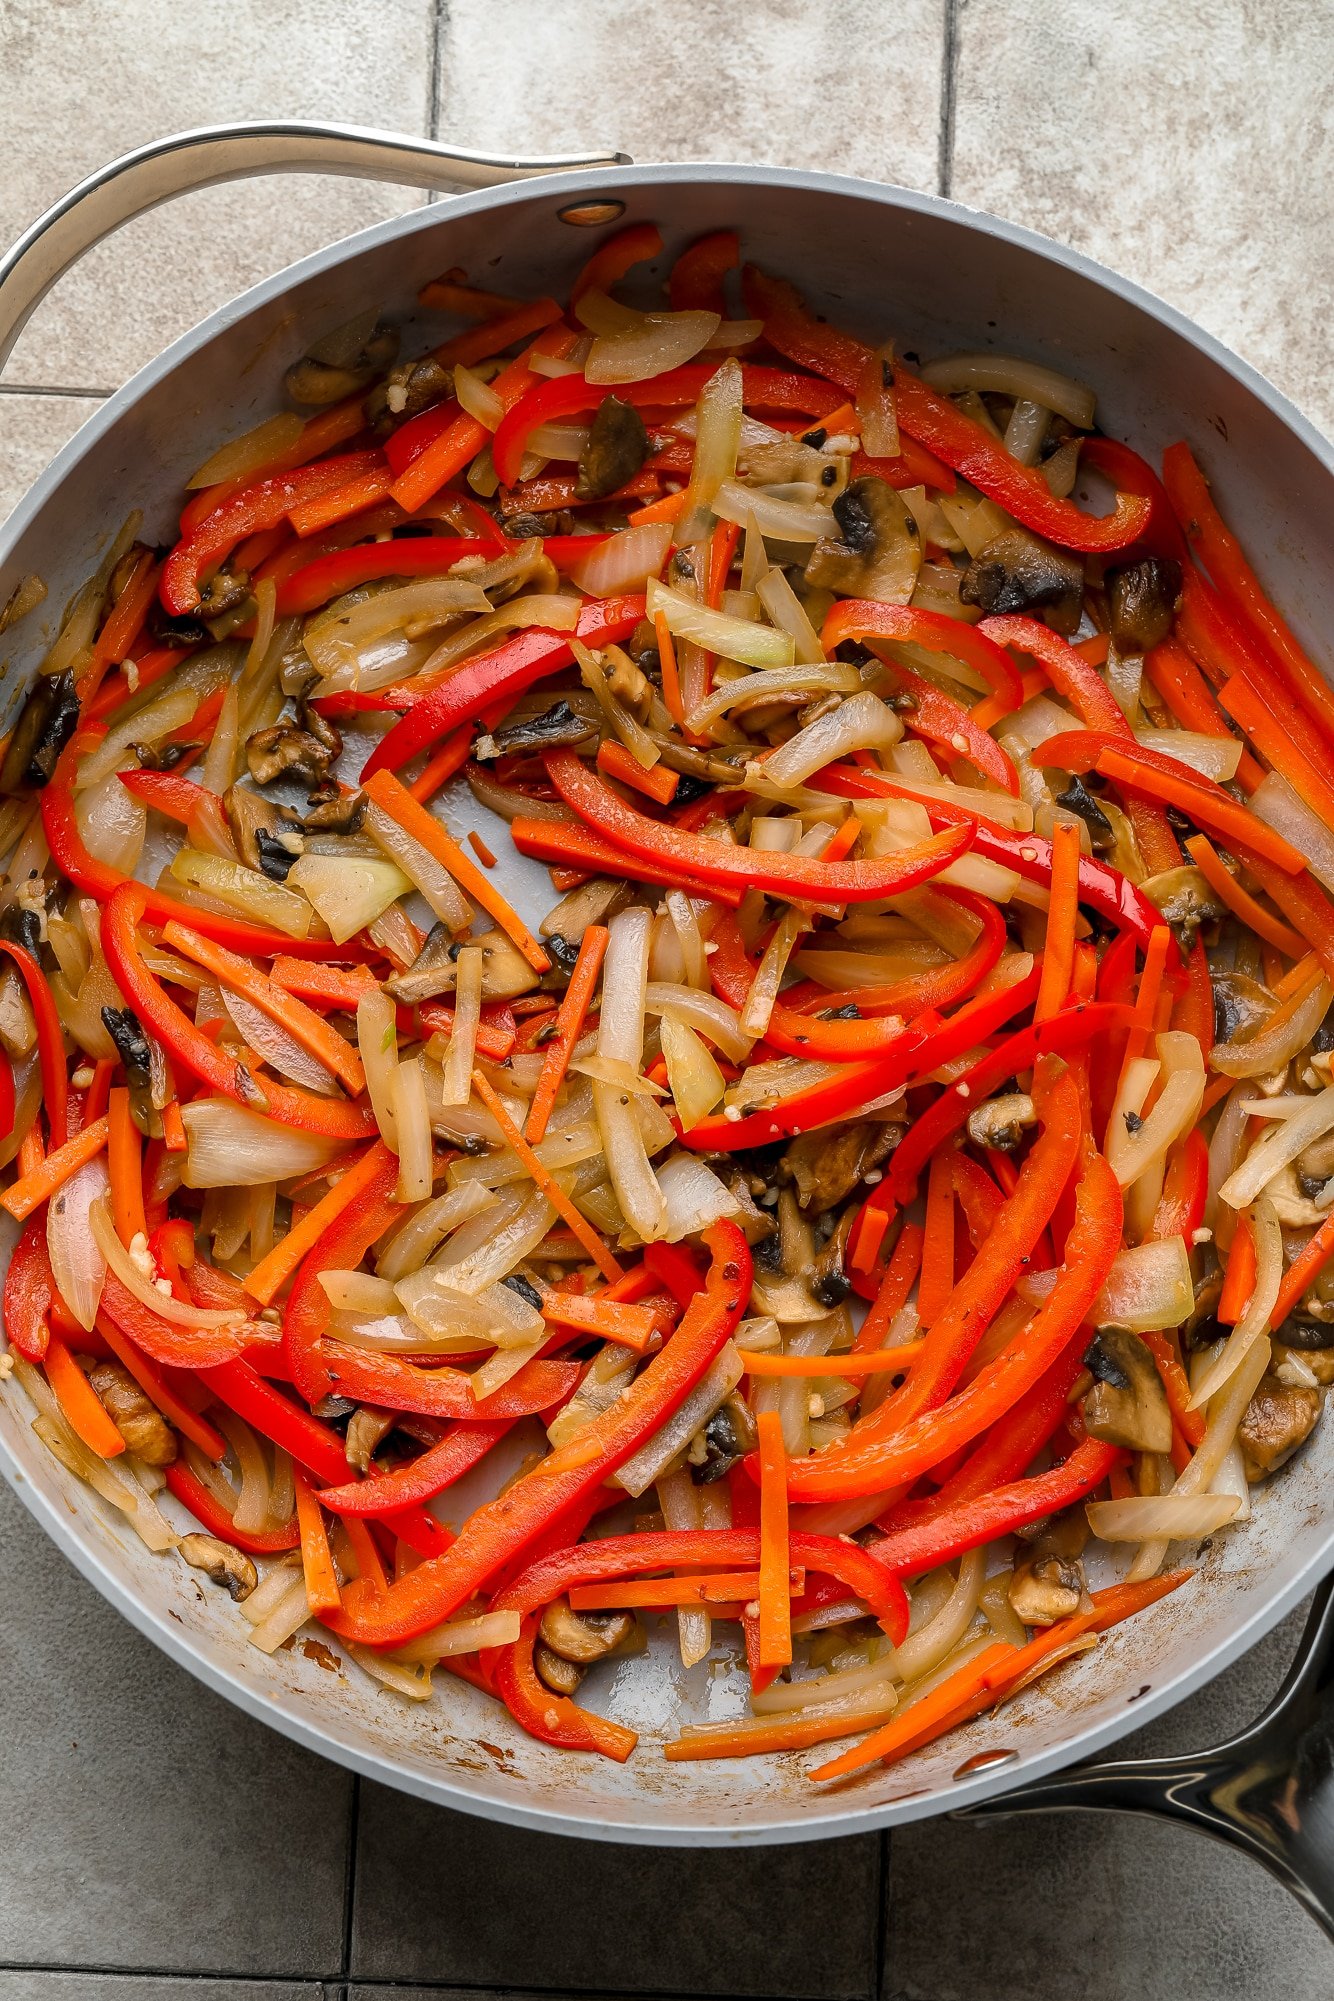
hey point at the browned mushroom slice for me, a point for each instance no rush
(432, 972)
(728, 1436)
(562, 1677)
(829, 1278)
(250, 815)
(139, 1422)
(592, 903)
(1078, 799)
(583, 1637)
(1001, 1122)
(616, 448)
(1279, 1418)
(46, 723)
(1127, 1404)
(342, 362)
(367, 1430)
(1018, 571)
(826, 1166)
(1142, 599)
(411, 387)
(1046, 1586)
(303, 749)
(225, 591)
(556, 726)
(221, 1563)
(1186, 901)
(879, 551)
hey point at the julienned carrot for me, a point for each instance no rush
(272, 1271)
(322, 1593)
(159, 1391)
(174, 1136)
(666, 509)
(1272, 739)
(1207, 804)
(775, 1649)
(723, 1587)
(671, 680)
(722, 548)
(872, 1223)
(628, 1325)
(1176, 1387)
(446, 759)
(399, 804)
(547, 1181)
(1305, 1268)
(655, 781)
(368, 489)
(369, 1564)
(334, 986)
(869, 1362)
(31, 1189)
(1239, 901)
(843, 840)
(1149, 994)
(1191, 700)
(570, 1018)
(796, 1731)
(99, 1091)
(1062, 912)
(302, 1023)
(125, 1166)
(83, 1408)
(892, 1296)
(936, 1282)
(1239, 1278)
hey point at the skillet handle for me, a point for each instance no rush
(1269, 1791)
(152, 174)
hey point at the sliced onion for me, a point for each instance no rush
(279, 1049)
(413, 1243)
(348, 891)
(718, 424)
(877, 414)
(788, 614)
(477, 397)
(1004, 375)
(164, 711)
(1280, 807)
(506, 1247)
(693, 1196)
(705, 1012)
(621, 1041)
(377, 1044)
(497, 1314)
(164, 1304)
(254, 1504)
(695, 1081)
(735, 638)
(423, 871)
(232, 1147)
(462, 1636)
(358, 1292)
(77, 1264)
(413, 1124)
(1276, 1149)
(456, 1070)
(549, 610)
(861, 722)
(774, 684)
(1169, 1517)
(559, 441)
(113, 823)
(245, 890)
(622, 562)
(1254, 1322)
(1262, 1054)
(639, 1472)
(1148, 1287)
(1216, 756)
(1130, 1154)
(643, 344)
(243, 456)
(758, 1006)
(116, 1484)
(774, 515)
(339, 636)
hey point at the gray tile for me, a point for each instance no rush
(1128, 1909)
(432, 1905)
(1190, 147)
(143, 1821)
(40, 1985)
(86, 80)
(32, 430)
(775, 80)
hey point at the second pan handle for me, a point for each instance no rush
(153, 174)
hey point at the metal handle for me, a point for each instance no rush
(1269, 1792)
(155, 173)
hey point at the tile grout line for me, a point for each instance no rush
(50, 389)
(885, 1856)
(949, 65)
(350, 1880)
(439, 25)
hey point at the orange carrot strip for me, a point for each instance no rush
(441, 765)
(32, 1150)
(399, 804)
(55, 1170)
(1062, 911)
(322, 1593)
(671, 680)
(666, 509)
(546, 1181)
(989, 711)
(271, 1271)
(1176, 1385)
(1239, 1278)
(336, 986)
(843, 840)
(870, 1235)
(1309, 1262)
(159, 1391)
(936, 1282)
(84, 1409)
(750, 1739)
(629, 1325)
(1266, 924)
(367, 1555)
(656, 781)
(368, 490)
(302, 1023)
(775, 1649)
(122, 625)
(724, 1587)
(125, 1163)
(722, 548)
(869, 1362)
(174, 1136)
(926, 1718)
(897, 1283)
(570, 1017)
(481, 850)
(1209, 807)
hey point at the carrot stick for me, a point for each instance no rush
(272, 1271)
(722, 548)
(843, 840)
(869, 1362)
(1265, 923)
(871, 1227)
(724, 1587)
(32, 1151)
(671, 680)
(1239, 1278)
(1209, 807)
(1189, 697)
(666, 509)
(367, 490)
(174, 1136)
(547, 1181)
(159, 1391)
(897, 1283)
(480, 849)
(334, 986)
(83, 1408)
(441, 765)
(937, 1274)
(1062, 911)
(99, 1091)
(570, 1018)
(399, 804)
(1176, 1385)
(125, 1164)
(31, 1189)
(656, 782)
(302, 1023)
(1307, 1266)
(631, 1326)
(1275, 743)
(322, 1593)
(989, 711)
(749, 1739)
(775, 1649)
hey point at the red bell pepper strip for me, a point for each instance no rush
(29, 1289)
(940, 425)
(496, 677)
(503, 1529)
(914, 466)
(191, 1492)
(166, 1341)
(716, 861)
(939, 718)
(420, 556)
(260, 506)
(170, 793)
(876, 1456)
(561, 396)
(910, 1551)
(50, 1045)
(553, 1719)
(571, 845)
(696, 281)
(1102, 887)
(463, 1447)
(637, 243)
(1129, 473)
(1180, 1209)
(866, 618)
(201, 1056)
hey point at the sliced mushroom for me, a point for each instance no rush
(1279, 1418)
(409, 389)
(592, 903)
(728, 1436)
(505, 971)
(303, 749)
(225, 591)
(220, 1563)
(138, 1420)
(333, 811)
(583, 1637)
(556, 726)
(1295, 1209)
(616, 448)
(433, 971)
(248, 814)
(46, 723)
(1127, 1404)
(562, 1677)
(1018, 571)
(1142, 599)
(1078, 799)
(1046, 1586)
(366, 1432)
(878, 552)
(342, 363)
(829, 1278)
(626, 683)
(1001, 1122)
(826, 1166)
(1186, 901)
(1242, 1006)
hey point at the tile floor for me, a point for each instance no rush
(155, 1845)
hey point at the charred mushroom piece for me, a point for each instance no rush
(304, 749)
(829, 1278)
(1143, 598)
(277, 852)
(411, 387)
(1078, 799)
(339, 813)
(1241, 1006)
(139, 1422)
(583, 1637)
(340, 364)
(1001, 1122)
(564, 953)
(1279, 1418)
(366, 1432)
(592, 903)
(1018, 571)
(878, 552)
(1046, 1586)
(626, 683)
(1186, 901)
(131, 1043)
(616, 449)
(226, 590)
(826, 1166)
(249, 812)
(1127, 1404)
(555, 726)
(220, 1563)
(728, 1436)
(46, 723)
(159, 756)
(432, 972)
(562, 1677)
